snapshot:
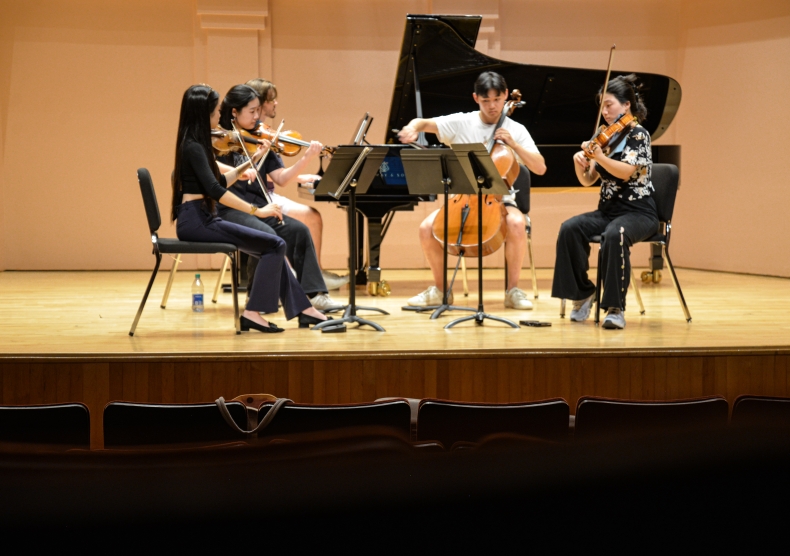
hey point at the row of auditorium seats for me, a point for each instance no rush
(449, 424)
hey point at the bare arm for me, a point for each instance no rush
(411, 132)
(533, 161)
(282, 176)
(232, 175)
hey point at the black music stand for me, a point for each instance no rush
(476, 163)
(430, 172)
(351, 170)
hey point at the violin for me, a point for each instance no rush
(606, 135)
(289, 142)
(225, 141)
(462, 209)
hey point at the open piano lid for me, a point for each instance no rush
(438, 66)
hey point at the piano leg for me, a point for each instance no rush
(374, 254)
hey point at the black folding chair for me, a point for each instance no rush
(177, 247)
(57, 426)
(666, 180)
(134, 425)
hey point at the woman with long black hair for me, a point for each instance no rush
(626, 211)
(198, 184)
(241, 109)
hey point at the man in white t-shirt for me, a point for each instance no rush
(490, 93)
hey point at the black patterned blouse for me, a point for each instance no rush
(632, 194)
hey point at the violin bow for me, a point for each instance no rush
(254, 166)
(605, 86)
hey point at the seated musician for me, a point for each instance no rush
(198, 185)
(267, 93)
(626, 211)
(242, 107)
(490, 93)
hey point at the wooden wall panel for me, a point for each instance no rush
(481, 378)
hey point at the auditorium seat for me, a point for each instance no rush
(135, 425)
(596, 417)
(761, 411)
(465, 422)
(54, 427)
(414, 404)
(307, 418)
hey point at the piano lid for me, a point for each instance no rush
(438, 66)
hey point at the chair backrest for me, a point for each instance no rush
(607, 417)
(128, 425)
(761, 411)
(149, 199)
(305, 418)
(55, 426)
(522, 187)
(450, 422)
(666, 180)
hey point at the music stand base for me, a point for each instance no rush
(349, 319)
(437, 309)
(479, 317)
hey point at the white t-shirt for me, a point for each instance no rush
(467, 127)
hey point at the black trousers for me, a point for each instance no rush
(299, 246)
(273, 279)
(573, 254)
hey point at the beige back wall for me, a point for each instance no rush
(103, 81)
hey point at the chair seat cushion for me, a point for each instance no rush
(657, 238)
(167, 245)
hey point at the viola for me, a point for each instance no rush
(462, 209)
(289, 142)
(606, 135)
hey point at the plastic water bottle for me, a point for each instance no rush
(197, 295)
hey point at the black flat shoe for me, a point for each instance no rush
(246, 324)
(306, 321)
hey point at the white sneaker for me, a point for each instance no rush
(431, 296)
(323, 302)
(615, 319)
(581, 309)
(333, 281)
(517, 299)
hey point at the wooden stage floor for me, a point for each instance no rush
(64, 338)
(85, 315)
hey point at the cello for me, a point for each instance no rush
(462, 209)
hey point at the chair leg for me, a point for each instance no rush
(531, 259)
(636, 291)
(598, 287)
(145, 295)
(176, 262)
(682, 299)
(463, 277)
(219, 280)
(234, 263)
(562, 309)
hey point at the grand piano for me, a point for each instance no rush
(437, 68)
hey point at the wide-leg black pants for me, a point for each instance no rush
(273, 278)
(573, 254)
(299, 246)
